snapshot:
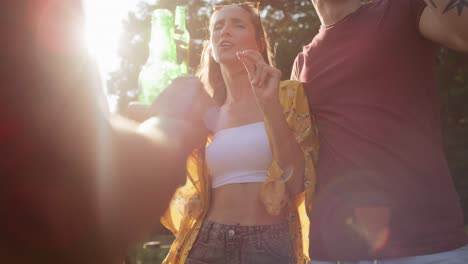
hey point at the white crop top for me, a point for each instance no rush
(239, 155)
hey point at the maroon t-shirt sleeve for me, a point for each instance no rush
(414, 9)
(296, 69)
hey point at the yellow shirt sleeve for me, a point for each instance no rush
(274, 194)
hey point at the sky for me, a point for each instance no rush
(103, 27)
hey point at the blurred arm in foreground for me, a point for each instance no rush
(77, 186)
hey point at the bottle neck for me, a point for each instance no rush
(180, 18)
(180, 21)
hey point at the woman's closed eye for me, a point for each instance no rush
(218, 27)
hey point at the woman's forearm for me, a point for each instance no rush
(145, 168)
(287, 151)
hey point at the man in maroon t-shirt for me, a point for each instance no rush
(384, 191)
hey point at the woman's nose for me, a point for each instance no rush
(225, 31)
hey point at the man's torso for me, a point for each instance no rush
(384, 189)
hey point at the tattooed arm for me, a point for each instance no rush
(446, 22)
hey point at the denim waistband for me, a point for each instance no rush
(212, 230)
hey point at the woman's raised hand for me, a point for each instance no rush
(264, 78)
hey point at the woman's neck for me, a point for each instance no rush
(332, 11)
(238, 87)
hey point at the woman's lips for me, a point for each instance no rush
(226, 44)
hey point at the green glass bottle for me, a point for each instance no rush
(182, 38)
(162, 66)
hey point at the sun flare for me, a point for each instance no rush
(103, 27)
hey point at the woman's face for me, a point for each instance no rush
(232, 30)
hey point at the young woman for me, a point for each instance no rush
(243, 200)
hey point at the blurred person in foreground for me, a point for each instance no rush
(384, 192)
(78, 186)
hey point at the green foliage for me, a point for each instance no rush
(292, 24)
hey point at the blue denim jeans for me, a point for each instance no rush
(234, 244)
(456, 256)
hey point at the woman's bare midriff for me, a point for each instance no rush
(240, 204)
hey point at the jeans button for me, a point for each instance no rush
(231, 233)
